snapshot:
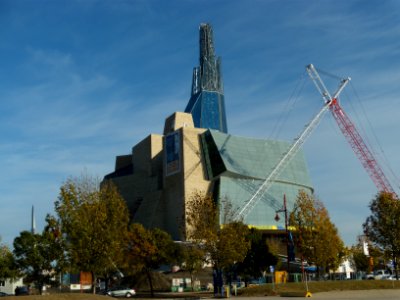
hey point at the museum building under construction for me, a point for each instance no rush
(196, 153)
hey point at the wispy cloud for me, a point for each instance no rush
(85, 83)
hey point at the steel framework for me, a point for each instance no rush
(352, 136)
(348, 129)
(287, 157)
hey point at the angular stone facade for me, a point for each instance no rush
(156, 190)
(158, 179)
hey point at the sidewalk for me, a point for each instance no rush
(339, 295)
(393, 294)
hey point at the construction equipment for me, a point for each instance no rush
(348, 129)
(294, 148)
(351, 134)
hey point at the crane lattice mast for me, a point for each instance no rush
(352, 136)
(287, 157)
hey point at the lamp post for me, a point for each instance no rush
(277, 218)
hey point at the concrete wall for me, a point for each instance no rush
(179, 187)
(155, 198)
(7, 286)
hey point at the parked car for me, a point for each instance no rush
(369, 276)
(2, 294)
(21, 291)
(121, 292)
(381, 274)
(378, 275)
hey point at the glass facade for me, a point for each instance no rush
(207, 103)
(172, 153)
(242, 164)
(208, 111)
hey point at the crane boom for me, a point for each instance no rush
(360, 149)
(352, 136)
(287, 157)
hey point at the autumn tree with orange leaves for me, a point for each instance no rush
(93, 220)
(317, 238)
(148, 249)
(225, 244)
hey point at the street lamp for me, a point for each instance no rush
(277, 218)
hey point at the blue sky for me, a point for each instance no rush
(84, 81)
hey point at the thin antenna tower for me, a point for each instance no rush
(33, 223)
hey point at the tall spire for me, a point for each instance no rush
(206, 103)
(33, 223)
(209, 65)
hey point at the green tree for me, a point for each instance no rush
(359, 260)
(358, 257)
(382, 227)
(8, 268)
(258, 258)
(147, 250)
(55, 244)
(225, 244)
(193, 258)
(94, 220)
(39, 256)
(317, 237)
(377, 255)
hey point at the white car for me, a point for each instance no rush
(121, 292)
(381, 274)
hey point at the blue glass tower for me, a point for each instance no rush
(207, 104)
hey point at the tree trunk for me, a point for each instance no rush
(148, 273)
(106, 283)
(94, 282)
(218, 282)
(41, 287)
(191, 280)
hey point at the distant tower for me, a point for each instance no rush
(207, 104)
(33, 223)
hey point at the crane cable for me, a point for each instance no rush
(290, 104)
(329, 74)
(375, 136)
(355, 111)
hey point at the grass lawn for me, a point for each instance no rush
(319, 286)
(63, 296)
(261, 290)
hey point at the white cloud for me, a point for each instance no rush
(85, 84)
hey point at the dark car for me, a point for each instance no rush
(2, 294)
(21, 291)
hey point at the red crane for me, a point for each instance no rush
(352, 136)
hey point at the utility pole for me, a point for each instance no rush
(284, 209)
